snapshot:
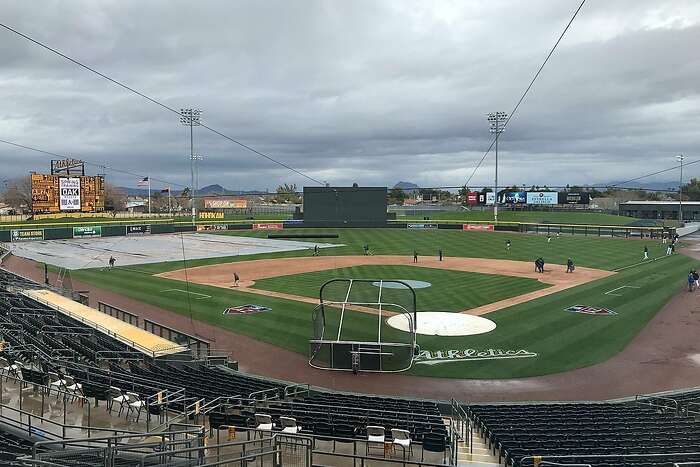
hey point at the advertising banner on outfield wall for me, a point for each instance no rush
(542, 197)
(482, 227)
(275, 226)
(138, 229)
(204, 228)
(421, 226)
(473, 198)
(26, 235)
(574, 198)
(225, 203)
(87, 232)
(512, 197)
(486, 198)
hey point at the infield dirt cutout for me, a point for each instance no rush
(221, 275)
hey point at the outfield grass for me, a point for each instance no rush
(562, 340)
(449, 290)
(595, 252)
(537, 217)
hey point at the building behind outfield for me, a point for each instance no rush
(660, 209)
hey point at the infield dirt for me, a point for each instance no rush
(221, 275)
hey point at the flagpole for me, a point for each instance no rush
(170, 205)
(149, 195)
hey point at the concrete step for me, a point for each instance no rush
(474, 450)
(477, 457)
(462, 463)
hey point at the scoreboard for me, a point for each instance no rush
(59, 193)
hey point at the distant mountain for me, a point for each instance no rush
(407, 186)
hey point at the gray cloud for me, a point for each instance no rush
(368, 91)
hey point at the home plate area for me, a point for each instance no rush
(438, 323)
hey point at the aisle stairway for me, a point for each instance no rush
(478, 455)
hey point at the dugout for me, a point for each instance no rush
(345, 206)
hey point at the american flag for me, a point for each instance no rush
(165, 190)
(143, 182)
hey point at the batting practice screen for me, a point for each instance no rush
(356, 206)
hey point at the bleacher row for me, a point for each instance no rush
(11, 447)
(627, 434)
(51, 349)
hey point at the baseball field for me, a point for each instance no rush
(611, 295)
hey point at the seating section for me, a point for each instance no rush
(67, 357)
(25, 322)
(12, 447)
(587, 430)
(347, 416)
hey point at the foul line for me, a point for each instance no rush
(203, 296)
(610, 292)
(645, 261)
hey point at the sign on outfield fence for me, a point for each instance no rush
(26, 235)
(204, 228)
(275, 226)
(482, 227)
(542, 197)
(421, 226)
(86, 232)
(138, 229)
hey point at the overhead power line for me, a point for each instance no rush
(527, 90)
(675, 167)
(94, 164)
(157, 102)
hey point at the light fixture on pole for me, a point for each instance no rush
(680, 158)
(497, 123)
(191, 118)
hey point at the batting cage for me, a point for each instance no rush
(350, 330)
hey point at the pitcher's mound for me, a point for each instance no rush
(438, 323)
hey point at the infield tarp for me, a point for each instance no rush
(83, 253)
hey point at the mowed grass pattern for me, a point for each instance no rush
(594, 252)
(449, 290)
(537, 217)
(562, 340)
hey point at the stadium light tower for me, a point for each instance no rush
(191, 118)
(680, 158)
(196, 158)
(497, 123)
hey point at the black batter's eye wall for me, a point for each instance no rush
(345, 206)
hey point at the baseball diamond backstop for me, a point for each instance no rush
(341, 344)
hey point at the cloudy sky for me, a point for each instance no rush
(370, 91)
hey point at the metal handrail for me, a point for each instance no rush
(294, 390)
(642, 399)
(383, 460)
(359, 410)
(607, 456)
(274, 394)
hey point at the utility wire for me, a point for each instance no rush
(95, 164)
(155, 101)
(527, 90)
(654, 173)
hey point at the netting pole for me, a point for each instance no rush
(379, 302)
(342, 310)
